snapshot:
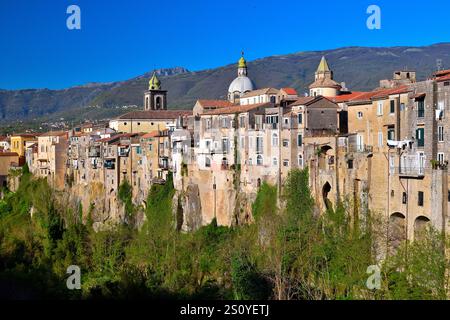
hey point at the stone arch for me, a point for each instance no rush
(397, 229)
(158, 103)
(325, 191)
(323, 156)
(420, 226)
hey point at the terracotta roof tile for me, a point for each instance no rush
(155, 114)
(290, 91)
(214, 103)
(347, 97)
(238, 109)
(260, 92)
(304, 101)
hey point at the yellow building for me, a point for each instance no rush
(19, 142)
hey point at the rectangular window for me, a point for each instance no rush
(242, 122)
(380, 108)
(420, 137)
(285, 143)
(392, 107)
(421, 108)
(299, 140)
(360, 142)
(300, 118)
(440, 133)
(350, 164)
(286, 163)
(402, 106)
(225, 146)
(380, 139)
(391, 134)
(404, 198)
(440, 157)
(259, 145)
(420, 199)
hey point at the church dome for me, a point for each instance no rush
(241, 85)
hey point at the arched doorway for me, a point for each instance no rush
(420, 227)
(397, 229)
(325, 191)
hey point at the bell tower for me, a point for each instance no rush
(155, 98)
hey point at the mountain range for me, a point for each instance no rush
(360, 68)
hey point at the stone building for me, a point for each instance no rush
(8, 161)
(52, 158)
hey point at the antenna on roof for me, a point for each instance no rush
(439, 64)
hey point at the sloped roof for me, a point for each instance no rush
(237, 109)
(303, 101)
(319, 101)
(154, 114)
(290, 91)
(325, 83)
(259, 92)
(347, 97)
(214, 103)
(54, 134)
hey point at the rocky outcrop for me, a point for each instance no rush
(188, 208)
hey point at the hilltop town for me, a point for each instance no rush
(383, 152)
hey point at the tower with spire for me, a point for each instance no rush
(324, 84)
(155, 98)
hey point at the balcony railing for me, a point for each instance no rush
(410, 171)
(363, 148)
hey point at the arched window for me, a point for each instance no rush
(275, 161)
(300, 161)
(146, 103)
(259, 160)
(158, 103)
(275, 140)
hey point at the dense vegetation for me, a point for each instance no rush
(290, 252)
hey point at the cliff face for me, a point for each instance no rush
(205, 195)
(104, 210)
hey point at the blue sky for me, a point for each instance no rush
(123, 39)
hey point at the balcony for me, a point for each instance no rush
(410, 172)
(363, 148)
(163, 164)
(271, 126)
